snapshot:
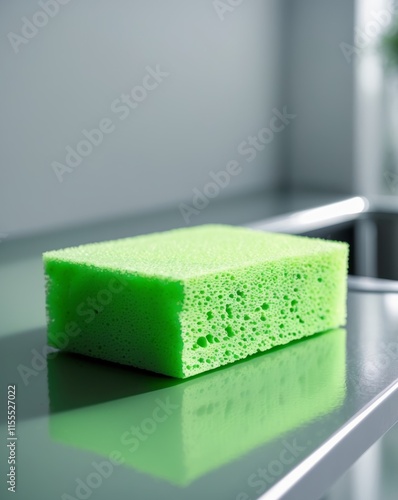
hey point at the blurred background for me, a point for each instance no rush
(189, 111)
(226, 66)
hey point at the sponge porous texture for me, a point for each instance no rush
(189, 300)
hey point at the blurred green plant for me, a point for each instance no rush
(389, 44)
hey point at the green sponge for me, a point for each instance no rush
(189, 300)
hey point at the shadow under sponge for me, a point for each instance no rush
(189, 300)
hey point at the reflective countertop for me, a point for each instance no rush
(282, 424)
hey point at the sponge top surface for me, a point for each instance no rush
(192, 252)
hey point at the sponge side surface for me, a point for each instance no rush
(229, 316)
(123, 318)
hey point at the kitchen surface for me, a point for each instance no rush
(285, 425)
(122, 119)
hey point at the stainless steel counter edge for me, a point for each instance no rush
(338, 453)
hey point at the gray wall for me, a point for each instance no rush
(321, 90)
(222, 86)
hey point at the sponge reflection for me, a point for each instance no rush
(182, 431)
